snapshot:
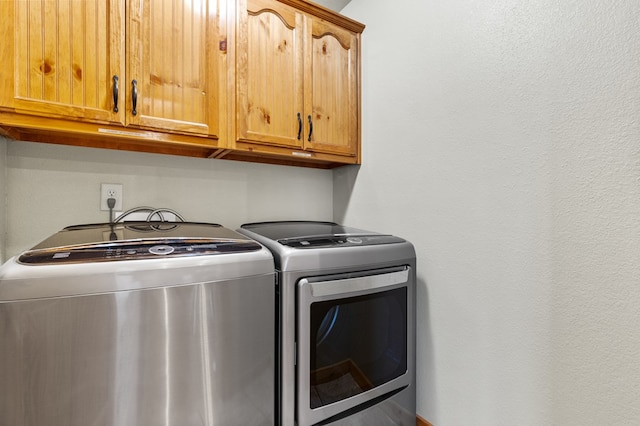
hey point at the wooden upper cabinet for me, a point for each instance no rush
(332, 94)
(258, 80)
(270, 73)
(173, 65)
(297, 77)
(62, 57)
(79, 60)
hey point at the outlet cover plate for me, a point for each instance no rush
(111, 190)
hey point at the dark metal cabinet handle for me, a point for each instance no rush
(310, 129)
(134, 96)
(299, 126)
(115, 93)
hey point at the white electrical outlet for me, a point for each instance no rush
(111, 190)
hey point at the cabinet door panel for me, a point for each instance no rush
(332, 93)
(64, 55)
(270, 74)
(173, 58)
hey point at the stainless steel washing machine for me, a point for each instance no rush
(346, 324)
(138, 324)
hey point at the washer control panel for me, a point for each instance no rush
(135, 250)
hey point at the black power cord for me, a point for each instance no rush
(111, 202)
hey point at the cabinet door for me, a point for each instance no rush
(269, 73)
(61, 57)
(172, 65)
(331, 90)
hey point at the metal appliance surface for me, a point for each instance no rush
(138, 324)
(338, 287)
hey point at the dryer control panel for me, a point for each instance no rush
(333, 241)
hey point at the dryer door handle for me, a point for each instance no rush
(349, 286)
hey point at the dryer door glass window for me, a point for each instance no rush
(356, 344)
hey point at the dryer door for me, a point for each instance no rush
(353, 341)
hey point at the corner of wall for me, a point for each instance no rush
(3, 197)
(344, 180)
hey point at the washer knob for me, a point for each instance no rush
(161, 250)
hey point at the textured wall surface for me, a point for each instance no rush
(503, 139)
(51, 186)
(595, 213)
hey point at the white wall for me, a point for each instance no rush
(51, 186)
(503, 139)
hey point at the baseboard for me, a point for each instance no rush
(422, 422)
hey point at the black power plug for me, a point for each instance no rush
(111, 203)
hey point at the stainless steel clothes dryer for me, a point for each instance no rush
(346, 326)
(138, 324)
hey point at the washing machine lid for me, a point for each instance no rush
(313, 234)
(136, 240)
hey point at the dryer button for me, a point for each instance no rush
(162, 249)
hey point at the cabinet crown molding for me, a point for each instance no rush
(326, 14)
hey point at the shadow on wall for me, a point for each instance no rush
(3, 196)
(344, 180)
(425, 363)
